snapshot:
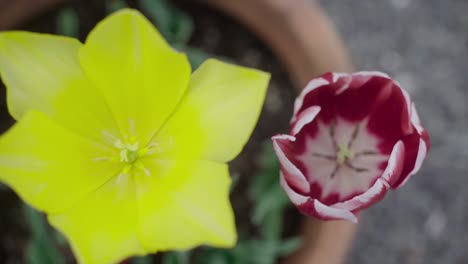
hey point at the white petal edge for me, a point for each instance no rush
(306, 117)
(415, 120)
(365, 198)
(301, 183)
(312, 85)
(337, 75)
(345, 86)
(395, 163)
(334, 213)
(372, 74)
(422, 152)
(295, 198)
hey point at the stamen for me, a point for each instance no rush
(97, 159)
(366, 153)
(109, 138)
(335, 171)
(139, 165)
(354, 135)
(332, 134)
(324, 156)
(356, 169)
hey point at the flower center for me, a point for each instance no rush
(344, 153)
(128, 153)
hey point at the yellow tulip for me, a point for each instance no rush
(119, 144)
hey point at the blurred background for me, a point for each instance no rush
(421, 43)
(424, 45)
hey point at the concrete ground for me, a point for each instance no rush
(424, 45)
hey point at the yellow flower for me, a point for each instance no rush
(122, 149)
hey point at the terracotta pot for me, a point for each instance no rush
(305, 40)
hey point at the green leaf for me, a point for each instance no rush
(181, 27)
(269, 175)
(176, 257)
(271, 228)
(114, 5)
(176, 26)
(289, 246)
(273, 199)
(68, 23)
(41, 249)
(142, 260)
(160, 13)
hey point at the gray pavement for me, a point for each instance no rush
(424, 45)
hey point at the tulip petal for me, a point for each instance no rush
(218, 114)
(315, 208)
(312, 85)
(141, 77)
(50, 167)
(415, 153)
(395, 164)
(42, 72)
(371, 196)
(304, 118)
(103, 228)
(183, 204)
(292, 174)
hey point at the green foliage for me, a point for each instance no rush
(115, 5)
(142, 260)
(68, 23)
(41, 248)
(175, 25)
(177, 257)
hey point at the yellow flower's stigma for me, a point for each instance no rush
(150, 139)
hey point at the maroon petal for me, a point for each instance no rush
(415, 153)
(395, 164)
(362, 94)
(312, 85)
(294, 177)
(390, 119)
(304, 118)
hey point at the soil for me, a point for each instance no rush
(214, 33)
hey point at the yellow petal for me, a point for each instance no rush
(50, 167)
(218, 114)
(102, 229)
(140, 76)
(42, 72)
(183, 204)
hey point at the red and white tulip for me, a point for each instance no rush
(353, 137)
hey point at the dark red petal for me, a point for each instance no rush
(312, 85)
(395, 165)
(363, 93)
(303, 119)
(294, 177)
(412, 151)
(390, 119)
(323, 96)
(296, 198)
